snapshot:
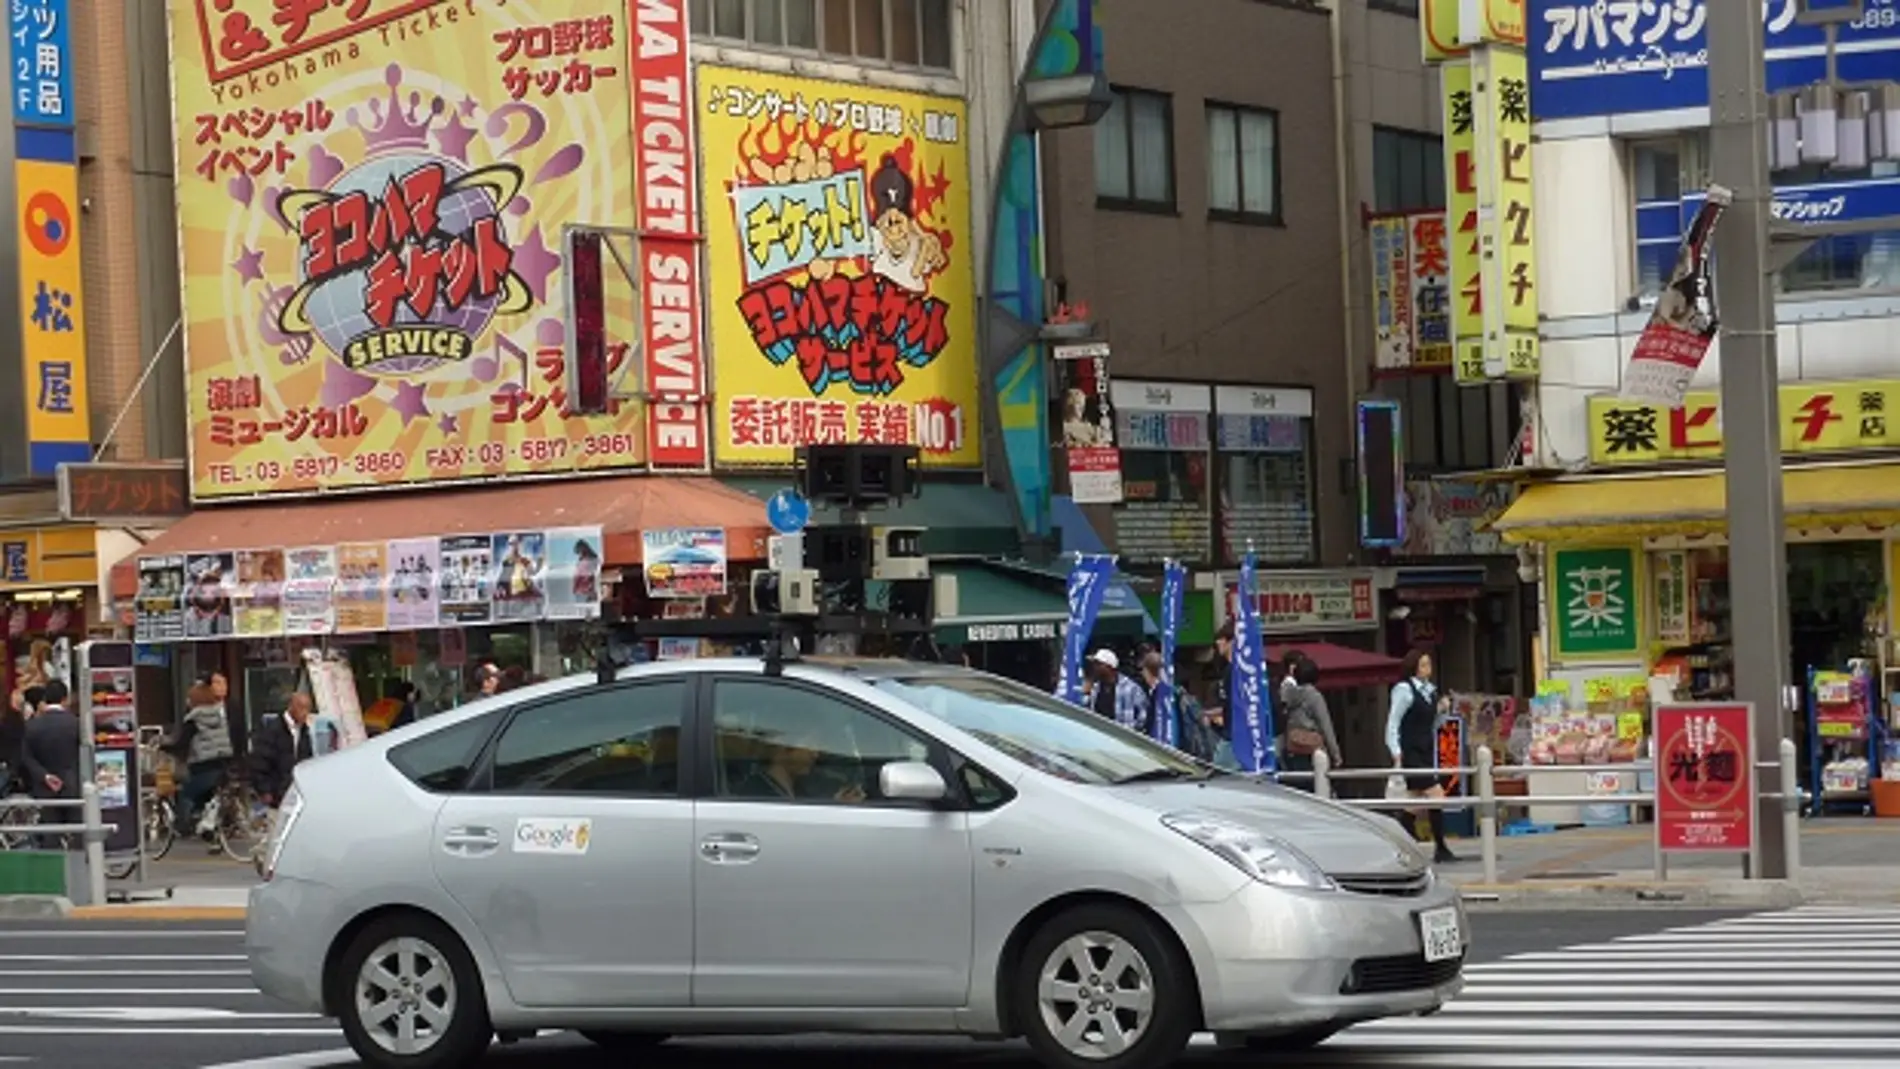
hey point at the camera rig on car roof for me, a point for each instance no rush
(843, 578)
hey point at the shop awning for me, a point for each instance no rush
(1001, 603)
(1342, 667)
(1625, 508)
(621, 506)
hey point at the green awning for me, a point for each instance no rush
(960, 519)
(1003, 604)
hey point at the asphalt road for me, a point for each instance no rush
(1602, 990)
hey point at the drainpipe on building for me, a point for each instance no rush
(1345, 178)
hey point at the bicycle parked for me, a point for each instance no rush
(236, 820)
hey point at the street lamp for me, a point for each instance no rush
(1069, 100)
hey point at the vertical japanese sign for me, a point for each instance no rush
(1683, 324)
(1250, 720)
(672, 321)
(46, 181)
(1461, 223)
(1390, 238)
(42, 71)
(1428, 255)
(1501, 108)
(1088, 584)
(1088, 424)
(1671, 590)
(842, 293)
(1705, 779)
(1167, 719)
(370, 202)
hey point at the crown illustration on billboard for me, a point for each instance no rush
(395, 125)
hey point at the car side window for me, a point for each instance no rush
(601, 740)
(775, 741)
(985, 790)
(440, 761)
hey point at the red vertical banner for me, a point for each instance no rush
(672, 321)
(1705, 782)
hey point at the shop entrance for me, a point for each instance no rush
(1833, 588)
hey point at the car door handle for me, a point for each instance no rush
(471, 840)
(729, 849)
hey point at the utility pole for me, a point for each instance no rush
(1751, 419)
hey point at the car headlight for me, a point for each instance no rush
(1258, 855)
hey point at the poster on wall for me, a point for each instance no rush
(362, 572)
(467, 570)
(684, 562)
(310, 590)
(370, 242)
(573, 584)
(209, 578)
(520, 563)
(158, 609)
(1671, 585)
(1684, 322)
(411, 593)
(1164, 434)
(840, 267)
(257, 601)
(1088, 424)
(1388, 239)
(1428, 258)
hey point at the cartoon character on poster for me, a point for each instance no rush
(520, 560)
(839, 272)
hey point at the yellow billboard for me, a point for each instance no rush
(842, 294)
(1461, 218)
(371, 202)
(1816, 417)
(53, 332)
(1507, 229)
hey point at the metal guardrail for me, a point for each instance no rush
(1483, 775)
(93, 829)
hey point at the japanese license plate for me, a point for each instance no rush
(1438, 929)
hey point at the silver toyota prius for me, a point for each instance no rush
(729, 847)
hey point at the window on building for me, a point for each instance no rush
(1266, 476)
(1163, 432)
(1408, 171)
(903, 33)
(1669, 175)
(1134, 151)
(1451, 428)
(1243, 163)
(619, 740)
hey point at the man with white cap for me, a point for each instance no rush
(1115, 695)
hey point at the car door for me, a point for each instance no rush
(574, 853)
(808, 896)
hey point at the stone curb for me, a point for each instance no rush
(1626, 894)
(34, 907)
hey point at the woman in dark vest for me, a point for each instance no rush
(1411, 734)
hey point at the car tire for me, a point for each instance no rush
(418, 963)
(624, 1043)
(1089, 1018)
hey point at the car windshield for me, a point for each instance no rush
(1043, 732)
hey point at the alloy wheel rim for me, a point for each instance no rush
(405, 996)
(1096, 994)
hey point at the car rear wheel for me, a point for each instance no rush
(623, 1042)
(1104, 987)
(408, 996)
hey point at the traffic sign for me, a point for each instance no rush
(787, 512)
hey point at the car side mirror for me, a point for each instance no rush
(911, 781)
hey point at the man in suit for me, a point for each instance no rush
(50, 754)
(283, 743)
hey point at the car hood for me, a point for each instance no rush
(1340, 841)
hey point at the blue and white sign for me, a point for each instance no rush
(788, 512)
(42, 62)
(1167, 712)
(1661, 223)
(1250, 719)
(1087, 582)
(1611, 57)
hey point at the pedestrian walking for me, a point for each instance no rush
(1115, 695)
(1411, 735)
(49, 752)
(1309, 723)
(283, 742)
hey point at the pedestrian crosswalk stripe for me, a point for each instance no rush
(1743, 993)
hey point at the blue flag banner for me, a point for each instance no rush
(1167, 721)
(1251, 721)
(1088, 582)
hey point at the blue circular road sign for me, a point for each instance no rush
(787, 512)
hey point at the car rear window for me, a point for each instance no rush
(441, 760)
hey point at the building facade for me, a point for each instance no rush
(1628, 513)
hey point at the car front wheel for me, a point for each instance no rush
(1105, 987)
(408, 997)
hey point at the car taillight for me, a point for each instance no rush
(286, 817)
